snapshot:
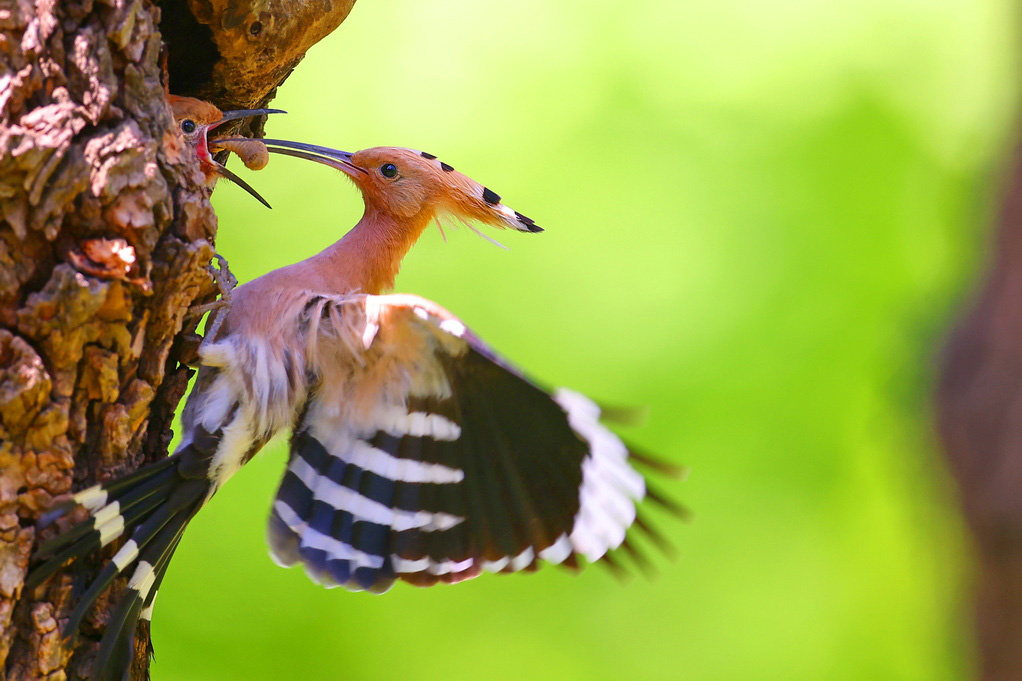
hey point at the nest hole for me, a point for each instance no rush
(191, 52)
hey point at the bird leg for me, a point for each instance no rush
(226, 282)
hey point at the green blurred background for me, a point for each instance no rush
(760, 216)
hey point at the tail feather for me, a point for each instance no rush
(117, 486)
(655, 463)
(92, 535)
(141, 538)
(41, 573)
(117, 645)
(610, 562)
(154, 505)
(145, 614)
(114, 657)
(119, 504)
(97, 496)
(161, 572)
(639, 558)
(86, 545)
(667, 503)
(655, 536)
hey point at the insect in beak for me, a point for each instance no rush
(204, 147)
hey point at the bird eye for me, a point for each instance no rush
(388, 170)
(188, 125)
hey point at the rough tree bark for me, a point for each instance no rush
(980, 416)
(106, 230)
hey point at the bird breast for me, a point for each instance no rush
(341, 357)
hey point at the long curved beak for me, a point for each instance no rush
(340, 160)
(219, 167)
(222, 170)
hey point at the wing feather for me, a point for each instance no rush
(423, 456)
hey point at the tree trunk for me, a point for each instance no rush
(980, 416)
(106, 231)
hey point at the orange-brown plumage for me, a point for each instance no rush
(200, 111)
(202, 115)
(196, 118)
(398, 209)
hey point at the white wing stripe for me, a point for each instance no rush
(610, 486)
(445, 567)
(405, 565)
(523, 559)
(314, 539)
(557, 552)
(398, 469)
(344, 499)
(496, 565)
(398, 422)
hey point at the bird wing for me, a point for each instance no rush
(437, 460)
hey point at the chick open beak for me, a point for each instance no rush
(341, 160)
(206, 155)
(222, 170)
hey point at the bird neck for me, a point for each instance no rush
(369, 256)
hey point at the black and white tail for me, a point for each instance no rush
(151, 507)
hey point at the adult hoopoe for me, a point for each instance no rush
(416, 452)
(197, 118)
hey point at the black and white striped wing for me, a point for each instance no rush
(474, 469)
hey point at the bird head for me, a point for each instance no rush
(409, 184)
(196, 119)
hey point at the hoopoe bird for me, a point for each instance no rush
(416, 454)
(197, 118)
